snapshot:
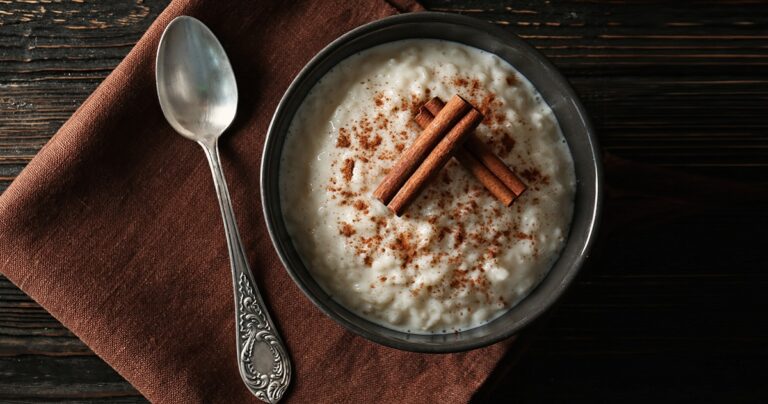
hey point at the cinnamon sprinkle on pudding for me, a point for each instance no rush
(457, 257)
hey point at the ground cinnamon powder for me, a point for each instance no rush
(364, 138)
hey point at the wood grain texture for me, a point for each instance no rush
(668, 310)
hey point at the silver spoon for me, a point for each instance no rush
(198, 95)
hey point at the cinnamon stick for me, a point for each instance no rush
(472, 164)
(435, 161)
(443, 121)
(495, 164)
(479, 150)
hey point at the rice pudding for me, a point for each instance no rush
(457, 258)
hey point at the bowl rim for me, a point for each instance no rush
(508, 37)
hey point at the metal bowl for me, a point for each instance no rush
(556, 92)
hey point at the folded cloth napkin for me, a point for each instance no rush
(115, 229)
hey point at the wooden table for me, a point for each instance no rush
(672, 307)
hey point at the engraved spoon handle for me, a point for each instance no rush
(262, 358)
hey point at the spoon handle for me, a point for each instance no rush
(262, 358)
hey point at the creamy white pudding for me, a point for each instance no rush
(457, 258)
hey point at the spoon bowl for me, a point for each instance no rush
(195, 82)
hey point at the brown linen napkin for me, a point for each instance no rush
(114, 228)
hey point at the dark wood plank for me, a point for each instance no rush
(672, 316)
(53, 378)
(668, 311)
